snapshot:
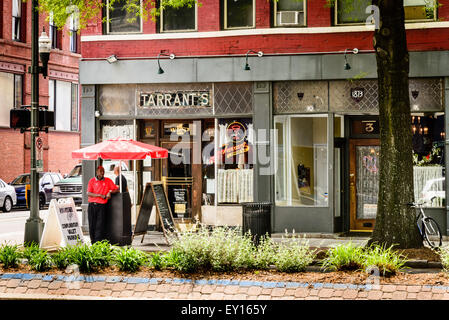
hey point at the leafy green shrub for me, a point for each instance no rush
(443, 252)
(344, 257)
(191, 250)
(293, 256)
(40, 260)
(61, 259)
(228, 250)
(90, 257)
(157, 260)
(10, 256)
(386, 260)
(129, 259)
(30, 250)
(265, 253)
(103, 253)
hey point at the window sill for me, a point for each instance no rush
(255, 31)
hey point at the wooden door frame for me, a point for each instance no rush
(357, 224)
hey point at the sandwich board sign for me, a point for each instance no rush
(62, 227)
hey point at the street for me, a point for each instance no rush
(12, 225)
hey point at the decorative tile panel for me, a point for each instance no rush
(426, 94)
(233, 98)
(362, 95)
(300, 96)
(354, 96)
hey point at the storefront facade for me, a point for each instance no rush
(298, 131)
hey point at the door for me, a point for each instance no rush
(339, 194)
(178, 179)
(363, 183)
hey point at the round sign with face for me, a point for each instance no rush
(236, 131)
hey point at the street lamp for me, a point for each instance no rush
(44, 52)
(34, 225)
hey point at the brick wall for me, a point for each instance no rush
(15, 155)
(318, 15)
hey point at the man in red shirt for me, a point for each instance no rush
(99, 192)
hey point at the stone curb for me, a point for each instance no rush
(220, 282)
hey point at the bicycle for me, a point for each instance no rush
(429, 230)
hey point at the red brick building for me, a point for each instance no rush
(59, 91)
(313, 84)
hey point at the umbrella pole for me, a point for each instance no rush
(120, 176)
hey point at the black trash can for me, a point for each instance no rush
(257, 219)
(118, 219)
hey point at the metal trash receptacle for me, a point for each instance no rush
(257, 219)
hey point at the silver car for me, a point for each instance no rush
(8, 196)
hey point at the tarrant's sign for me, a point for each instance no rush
(175, 99)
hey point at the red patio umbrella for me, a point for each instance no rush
(120, 149)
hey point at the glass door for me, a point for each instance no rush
(363, 183)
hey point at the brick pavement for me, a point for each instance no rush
(35, 286)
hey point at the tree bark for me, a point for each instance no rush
(395, 222)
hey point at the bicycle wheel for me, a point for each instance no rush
(431, 232)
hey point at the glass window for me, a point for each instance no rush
(63, 100)
(18, 87)
(123, 18)
(7, 97)
(74, 113)
(301, 175)
(234, 161)
(16, 19)
(178, 19)
(239, 13)
(355, 11)
(289, 13)
(73, 35)
(53, 33)
(428, 159)
(208, 172)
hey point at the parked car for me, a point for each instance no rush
(46, 182)
(72, 185)
(8, 197)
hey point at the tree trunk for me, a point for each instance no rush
(395, 222)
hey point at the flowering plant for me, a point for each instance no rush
(427, 160)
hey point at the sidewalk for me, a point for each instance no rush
(32, 286)
(37, 286)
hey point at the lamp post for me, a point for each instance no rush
(34, 224)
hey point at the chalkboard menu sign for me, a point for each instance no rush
(145, 211)
(154, 194)
(163, 209)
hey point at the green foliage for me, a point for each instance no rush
(344, 257)
(129, 259)
(91, 10)
(228, 250)
(103, 251)
(30, 250)
(90, 257)
(388, 261)
(191, 250)
(157, 260)
(61, 258)
(443, 252)
(10, 256)
(40, 260)
(265, 253)
(293, 256)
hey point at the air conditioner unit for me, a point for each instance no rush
(289, 18)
